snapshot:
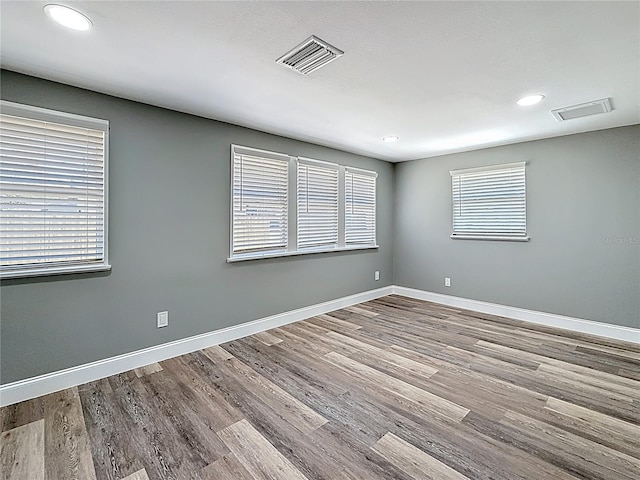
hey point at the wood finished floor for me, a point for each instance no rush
(393, 388)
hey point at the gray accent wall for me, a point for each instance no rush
(583, 217)
(169, 241)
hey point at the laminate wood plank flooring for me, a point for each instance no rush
(22, 454)
(259, 457)
(227, 467)
(139, 475)
(66, 437)
(267, 338)
(393, 388)
(148, 369)
(414, 461)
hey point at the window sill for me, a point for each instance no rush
(46, 272)
(244, 258)
(489, 237)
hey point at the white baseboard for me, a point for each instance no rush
(616, 332)
(52, 382)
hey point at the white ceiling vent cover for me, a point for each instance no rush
(582, 110)
(309, 56)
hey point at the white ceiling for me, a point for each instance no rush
(444, 76)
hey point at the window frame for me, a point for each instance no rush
(70, 119)
(292, 217)
(489, 235)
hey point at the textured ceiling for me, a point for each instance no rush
(443, 76)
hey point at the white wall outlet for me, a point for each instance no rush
(447, 282)
(376, 275)
(163, 319)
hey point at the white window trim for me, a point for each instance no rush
(299, 253)
(489, 237)
(492, 237)
(47, 115)
(292, 236)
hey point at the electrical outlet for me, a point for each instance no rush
(163, 319)
(376, 275)
(447, 282)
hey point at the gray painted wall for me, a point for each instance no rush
(169, 224)
(583, 216)
(169, 240)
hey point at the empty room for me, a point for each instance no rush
(321, 240)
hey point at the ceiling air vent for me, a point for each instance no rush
(309, 56)
(582, 110)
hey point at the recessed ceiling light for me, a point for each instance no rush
(390, 138)
(530, 100)
(68, 17)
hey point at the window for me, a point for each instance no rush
(490, 202)
(53, 192)
(360, 207)
(317, 204)
(260, 202)
(284, 205)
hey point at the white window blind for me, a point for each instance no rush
(490, 202)
(360, 207)
(52, 192)
(317, 195)
(260, 201)
(282, 205)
